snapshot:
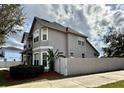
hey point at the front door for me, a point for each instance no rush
(45, 60)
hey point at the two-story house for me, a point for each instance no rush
(45, 34)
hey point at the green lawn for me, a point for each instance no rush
(6, 80)
(119, 84)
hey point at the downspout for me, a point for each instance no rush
(67, 53)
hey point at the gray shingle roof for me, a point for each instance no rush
(24, 35)
(59, 27)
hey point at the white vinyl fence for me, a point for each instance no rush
(8, 64)
(76, 66)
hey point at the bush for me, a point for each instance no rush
(25, 71)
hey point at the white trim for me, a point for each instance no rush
(42, 60)
(43, 47)
(37, 31)
(42, 34)
(33, 56)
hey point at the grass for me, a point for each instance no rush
(6, 80)
(119, 84)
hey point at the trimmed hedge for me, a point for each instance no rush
(25, 71)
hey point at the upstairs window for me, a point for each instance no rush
(79, 42)
(44, 34)
(36, 39)
(82, 43)
(36, 36)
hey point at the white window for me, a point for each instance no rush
(82, 43)
(44, 34)
(44, 60)
(36, 39)
(36, 59)
(36, 36)
(79, 42)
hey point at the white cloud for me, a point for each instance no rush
(91, 19)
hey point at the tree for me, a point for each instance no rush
(52, 56)
(115, 42)
(11, 19)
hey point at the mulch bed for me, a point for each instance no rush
(51, 75)
(45, 75)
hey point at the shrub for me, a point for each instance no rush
(25, 71)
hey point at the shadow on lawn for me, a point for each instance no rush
(6, 80)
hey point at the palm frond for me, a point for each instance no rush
(56, 52)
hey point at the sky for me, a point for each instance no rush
(90, 19)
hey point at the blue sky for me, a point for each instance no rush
(91, 20)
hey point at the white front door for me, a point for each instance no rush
(45, 60)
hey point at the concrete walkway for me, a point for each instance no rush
(86, 81)
(4, 69)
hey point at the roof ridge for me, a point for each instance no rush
(64, 27)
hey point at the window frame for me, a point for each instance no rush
(79, 41)
(47, 66)
(44, 59)
(38, 60)
(36, 39)
(82, 43)
(42, 33)
(35, 36)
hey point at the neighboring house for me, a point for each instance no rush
(10, 54)
(44, 34)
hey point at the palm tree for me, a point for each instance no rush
(53, 56)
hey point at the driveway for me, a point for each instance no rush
(86, 81)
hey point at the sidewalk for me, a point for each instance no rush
(4, 69)
(86, 81)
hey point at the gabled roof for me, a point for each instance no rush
(92, 46)
(25, 35)
(70, 30)
(56, 26)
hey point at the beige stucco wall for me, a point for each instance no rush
(74, 47)
(90, 51)
(75, 66)
(57, 40)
